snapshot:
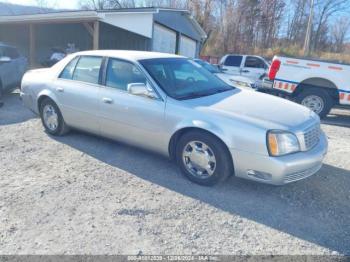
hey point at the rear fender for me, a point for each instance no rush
(42, 94)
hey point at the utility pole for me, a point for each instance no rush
(306, 50)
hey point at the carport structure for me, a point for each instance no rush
(164, 30)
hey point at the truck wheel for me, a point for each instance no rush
(317, 99)
(203, 158)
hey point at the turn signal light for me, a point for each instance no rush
(273, 144)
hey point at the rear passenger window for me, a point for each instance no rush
(67, 72)
(121, 73)
(233, 60)
(88, 69)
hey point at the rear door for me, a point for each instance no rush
(5, 70)
(254, 67)
(19, 64)
(77, 92)
(10, 70)
(231, 64)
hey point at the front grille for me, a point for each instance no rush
(303, 174)
(311, 136)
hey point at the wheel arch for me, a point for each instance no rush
(319, 82)
(42, 95)
(180, 132)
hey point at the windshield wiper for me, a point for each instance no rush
(192, 95)
(223, 90)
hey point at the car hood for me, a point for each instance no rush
(260, 109)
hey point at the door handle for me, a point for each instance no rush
(107, 100)
(60, 89)
(245, 71)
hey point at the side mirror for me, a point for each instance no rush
(5, 59)
(141, 89)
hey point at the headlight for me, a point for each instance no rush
(281, 143)
(240, 83)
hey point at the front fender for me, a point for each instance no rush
(206, 126)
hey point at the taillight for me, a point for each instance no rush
(275, 66)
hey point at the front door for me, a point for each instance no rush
(232, 64)
(134, 119)
(254, 67)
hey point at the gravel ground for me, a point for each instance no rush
(82, 194)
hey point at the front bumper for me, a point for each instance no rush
(279, 170)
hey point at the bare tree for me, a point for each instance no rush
(44, 4)
(338, 33)
(298, 22)
(324, 10)
(106, 4)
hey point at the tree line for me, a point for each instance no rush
(258, 26)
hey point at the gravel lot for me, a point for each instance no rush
(82, 194)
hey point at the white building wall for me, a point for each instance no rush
(139, 23)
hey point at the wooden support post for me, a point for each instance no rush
(32, 44)
(178, 43)
(96, 35)
(89, 28)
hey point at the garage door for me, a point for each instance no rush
(164, 39)
(188, 47)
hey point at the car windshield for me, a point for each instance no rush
(212, 69)
(181, 78)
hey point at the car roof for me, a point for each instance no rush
(129, 55)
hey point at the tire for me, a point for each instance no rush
(207, 146)
(317, 95)
(54, 125)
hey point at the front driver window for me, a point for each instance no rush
(254, 62)
(121, 73)
(233, 60)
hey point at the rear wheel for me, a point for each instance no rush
(316, 99)
(203, 158)
(51, 118)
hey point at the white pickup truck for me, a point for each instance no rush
(253, 67)
(318, 85)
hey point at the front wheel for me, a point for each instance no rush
(52, 119)
(203, 158)
(318, 100)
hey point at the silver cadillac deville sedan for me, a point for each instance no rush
(171, 105)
